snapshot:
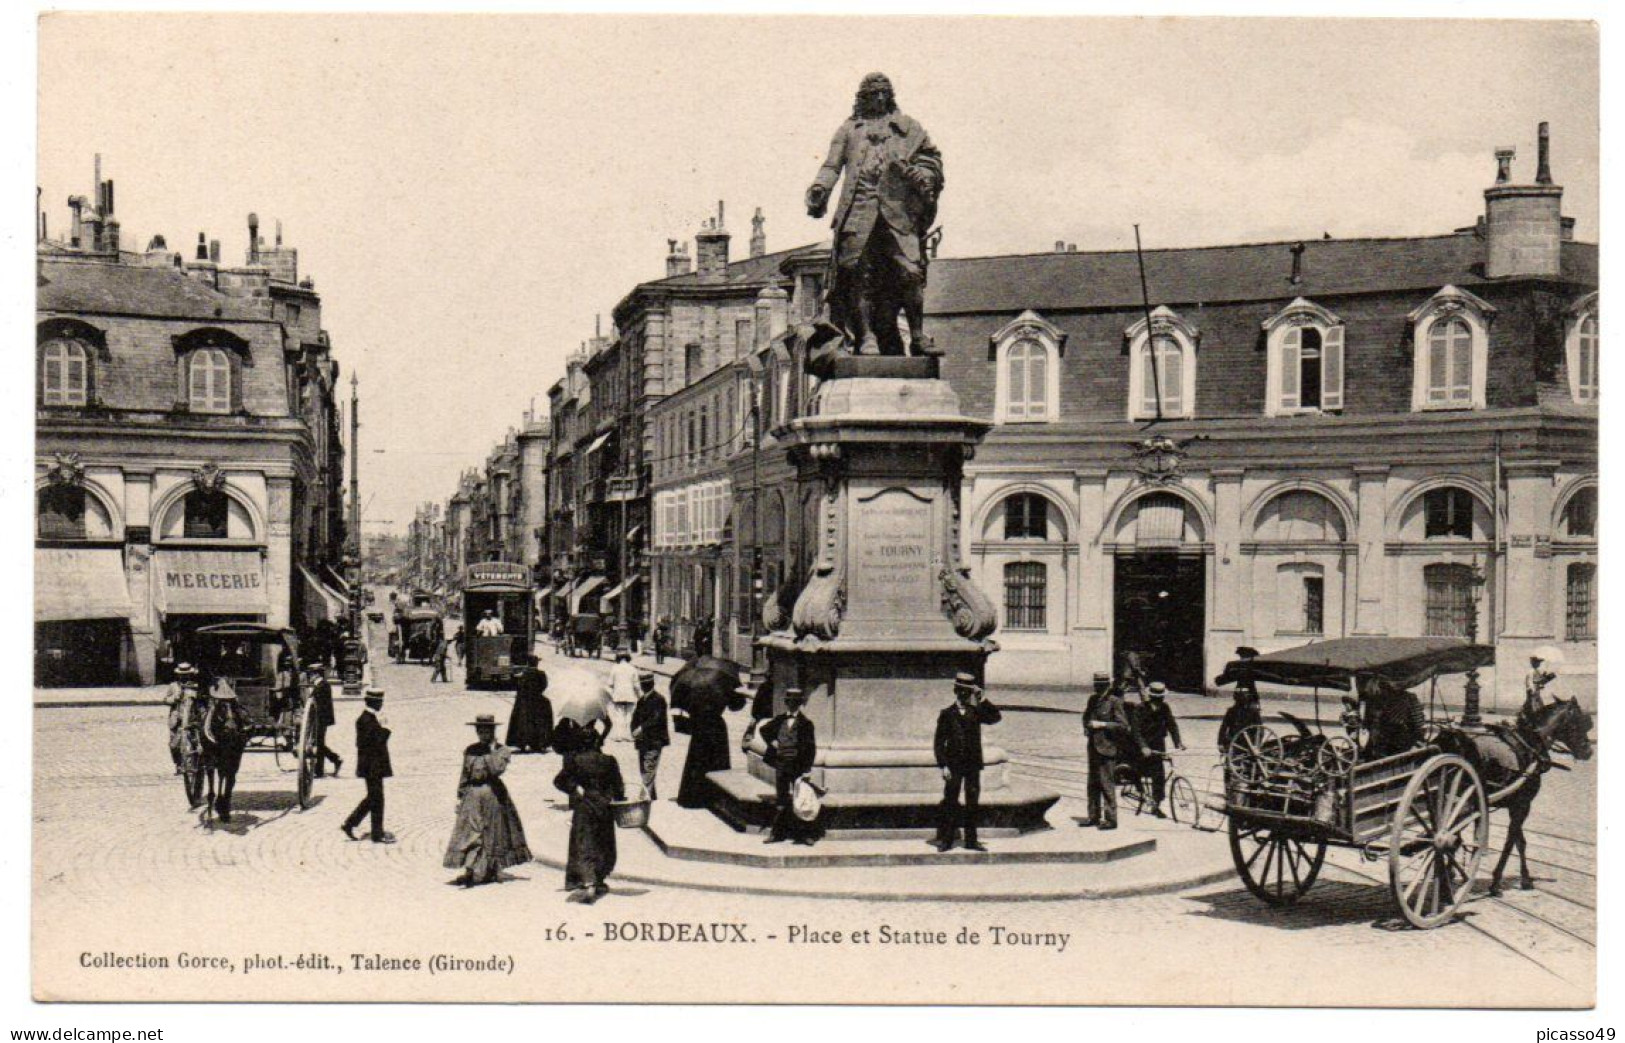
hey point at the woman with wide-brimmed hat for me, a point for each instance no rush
(488, 836)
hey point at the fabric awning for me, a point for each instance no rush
(79, 583)
(321, 600)
(544, 592)
(1404, 662)
(598, 443)
(615, 591)
(585, 587)
(209, 581)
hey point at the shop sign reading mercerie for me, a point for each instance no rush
(245, 578)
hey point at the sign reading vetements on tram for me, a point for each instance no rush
(497, 572)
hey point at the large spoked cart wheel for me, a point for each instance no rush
(308, 754)
(1277, 866)
(192, 772)
(1440, 833)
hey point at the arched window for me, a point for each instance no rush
(1450, 599)
(1300, 516)
(1581, 349)
(1025, 595)
(1581, 602)
(1450, 364)
(206, 515)
(1451, 349)
(1026, 517)
(1449, 513)
(1305, 359)
(1580, 515)
(64, 373)
(1026, 378)
(61, 513)
(1027, 352)
(209, 381)
(1169, 375)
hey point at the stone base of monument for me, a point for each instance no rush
(745, 802)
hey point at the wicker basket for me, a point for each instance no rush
(632, 813)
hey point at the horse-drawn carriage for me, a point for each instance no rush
(255, 666)
(585, 635)
(415, 634)
(1425, 808)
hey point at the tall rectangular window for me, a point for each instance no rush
(1581, 602)
(1314, 604)
(1025, 594)
(1449, 599)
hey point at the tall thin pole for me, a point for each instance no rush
(352, 672)
(1150, 334)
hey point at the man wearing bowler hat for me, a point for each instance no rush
(1111, 739)
(372, 766)
(958, 748)
(792, 745)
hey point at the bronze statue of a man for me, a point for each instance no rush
(888, 203)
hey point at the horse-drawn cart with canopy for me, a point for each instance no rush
(259, 665)
(1424, 809)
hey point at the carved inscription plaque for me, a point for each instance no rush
(889, 567)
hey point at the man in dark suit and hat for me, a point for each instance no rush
(372, 766)
(1111, 739)
(792, 746)
(1156, 724)
(651, 733)
(958, 748)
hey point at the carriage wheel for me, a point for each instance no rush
(1335, 758)
(307, 751)
(1277, 868)
(192, 778)
(1254, 753)
(1182, 802)
(1438, 840)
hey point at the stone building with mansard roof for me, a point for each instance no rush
(1335, 437)
(189, 463)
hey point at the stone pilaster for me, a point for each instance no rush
(1371, 564)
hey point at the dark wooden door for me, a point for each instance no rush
(1160, 613)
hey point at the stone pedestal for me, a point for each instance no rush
(890, 614)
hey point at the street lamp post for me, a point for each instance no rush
(352, 556)
(1470, 715)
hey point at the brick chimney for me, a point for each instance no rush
(1523, 224)
(758, 234)
(76, 204)
(253, 239)
(677, 260)
(711, 247)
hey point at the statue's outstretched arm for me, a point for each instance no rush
(828, 174)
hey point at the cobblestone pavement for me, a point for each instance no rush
(122, 866)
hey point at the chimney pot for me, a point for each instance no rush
(758, 234)
(1503, 164)
(1060, 246)
(1543, 171)
(214, 250)
(1297, 262)
(202, 247)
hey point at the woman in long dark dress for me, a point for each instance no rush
(488, 836)
(592, 779)
(530, 729)
(704, 701)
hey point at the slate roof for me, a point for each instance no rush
(751, 269)
(120, 289)
(1247, 272)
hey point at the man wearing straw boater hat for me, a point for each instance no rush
(372, 766)
(958, 748)
(180, 698)
(792, 746)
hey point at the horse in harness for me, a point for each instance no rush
(224, 736)
(1511, 758)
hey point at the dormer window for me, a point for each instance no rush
(1162, 367)
(1580, 347)
(64, 373)
(1305, 368)
(1027, 353)
(209, 381)
(1451, 341)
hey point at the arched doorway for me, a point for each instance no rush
(1159, 590)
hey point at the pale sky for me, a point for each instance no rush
(470, 191)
